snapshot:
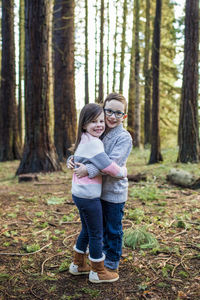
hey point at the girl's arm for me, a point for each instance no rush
(107, 166)
(119, 155)
(94, 153)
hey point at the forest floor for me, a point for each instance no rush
(39, 225)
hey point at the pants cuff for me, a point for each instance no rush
(111, 264)
(97, 259)
(78, 251)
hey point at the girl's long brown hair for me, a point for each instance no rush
(88, 113)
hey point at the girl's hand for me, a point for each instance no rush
(81, 171)
(70, 163)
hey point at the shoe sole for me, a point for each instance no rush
(103, 280)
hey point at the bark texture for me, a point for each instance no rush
(9, 134)
(188, 127)
(39, 151)
(155, 155)
(64, 86)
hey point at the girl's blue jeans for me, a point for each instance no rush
(90, 211)
(112, 232)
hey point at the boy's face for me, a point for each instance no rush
(116, 106)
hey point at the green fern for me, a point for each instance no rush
(140, 238)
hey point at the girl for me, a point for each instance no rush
(86, 194)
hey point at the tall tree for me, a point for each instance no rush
(101, 55)
(96, 52)
(189, 150)
(147, 78)
(123, 44)
(21, 69)
(64, 88)
(115, 47)
(155, 155)
(131, 91)
(136, 141)
(86, 54)
(9, 133)
(108, 47)
(39, 152)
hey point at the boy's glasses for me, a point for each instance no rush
(118, 114)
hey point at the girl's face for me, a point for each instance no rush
(97, 126)
(114, 106)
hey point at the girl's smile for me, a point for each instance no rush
(97, 126)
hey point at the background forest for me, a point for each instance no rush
(138, 48)
(55, 56)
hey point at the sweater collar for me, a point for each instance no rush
(114, 131)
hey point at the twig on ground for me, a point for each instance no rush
(179, 233)
(34, 233)
(176, 266)
(72, 222)
(49, 258)
(24, 254)
(31, 289)
(68, 237)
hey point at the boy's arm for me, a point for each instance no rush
(121, 150)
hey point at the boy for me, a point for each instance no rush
(117, 144)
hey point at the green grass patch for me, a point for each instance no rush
(149, 192)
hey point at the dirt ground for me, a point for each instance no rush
(39, 225)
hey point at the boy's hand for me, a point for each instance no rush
(81, 171)
(70, 163)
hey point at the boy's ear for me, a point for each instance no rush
(125, 116)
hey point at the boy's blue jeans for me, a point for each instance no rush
(113, 233)
(92, 226)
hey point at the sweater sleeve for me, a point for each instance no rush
(121, 151)
(102, 162)
(119, 155)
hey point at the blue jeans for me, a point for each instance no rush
(112, 232)
(92, 226)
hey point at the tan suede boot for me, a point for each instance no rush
(79, 266)
(99, 273)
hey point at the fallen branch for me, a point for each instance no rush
(137, 177)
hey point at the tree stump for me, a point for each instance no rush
(27, 177)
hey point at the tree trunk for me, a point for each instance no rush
(155, 155)
(96, 52)
(39, 151)
(188, 127)
(147, 79)
(115, 47)
(9, 133)
(21, 71)
(108, 48)
(131, 91)
(123, 44)
(86, 54)
(101, 64)
(64, 87)
(136, 141)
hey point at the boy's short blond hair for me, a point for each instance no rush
(116, 96)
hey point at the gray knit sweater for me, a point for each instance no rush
(118, 145)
